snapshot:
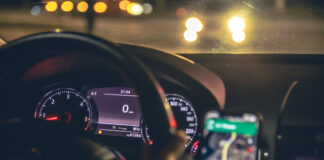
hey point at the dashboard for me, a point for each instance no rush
(75, 89)
(111, 111)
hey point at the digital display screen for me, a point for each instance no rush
(230, 137)
(118, 110)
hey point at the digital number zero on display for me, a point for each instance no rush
(119, 111)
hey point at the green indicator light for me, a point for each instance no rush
(226, 126)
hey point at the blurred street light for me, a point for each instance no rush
(135, 9)
(238, 36)
(148, 8)
(82, 6)
(190, 35)
(35, 10)
(123, 4)
(236, 24)
(100, 7)
(51, 6)
(67, 6)
(194, 24)
(181, 12)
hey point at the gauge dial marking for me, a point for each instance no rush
(184, 114)
(65, 105)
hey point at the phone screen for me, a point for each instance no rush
(230, 137)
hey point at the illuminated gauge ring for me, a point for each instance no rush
(65, 105)
(184, 114)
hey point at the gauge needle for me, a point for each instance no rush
(52, 118)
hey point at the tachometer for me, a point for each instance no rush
(185, 115)
(65, 105)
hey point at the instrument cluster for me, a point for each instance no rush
(111, 111)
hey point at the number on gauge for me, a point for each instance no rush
(185, 116)
(65, 105)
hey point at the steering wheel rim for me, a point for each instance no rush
(29, 50)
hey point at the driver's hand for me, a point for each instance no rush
(174, 150)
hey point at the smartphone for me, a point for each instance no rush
(230, 136)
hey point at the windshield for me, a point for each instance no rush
(178, 26)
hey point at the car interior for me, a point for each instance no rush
(70, 94)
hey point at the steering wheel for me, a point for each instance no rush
(19, 56)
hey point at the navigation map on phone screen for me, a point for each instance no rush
(230, 137)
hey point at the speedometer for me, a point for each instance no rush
(65, 105)
(185, 116)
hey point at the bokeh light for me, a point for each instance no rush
(67, 6)
(123, 4)
(238, 36)
(190, 35)
(100, 7)
(135, 9)
(236, 24)
(194, 24)
(35, 10)
(51, 6)
(148, 8)
(181, 12)
(82, 6)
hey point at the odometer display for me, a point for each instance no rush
(65, 105)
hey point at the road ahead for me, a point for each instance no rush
(263, 35)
